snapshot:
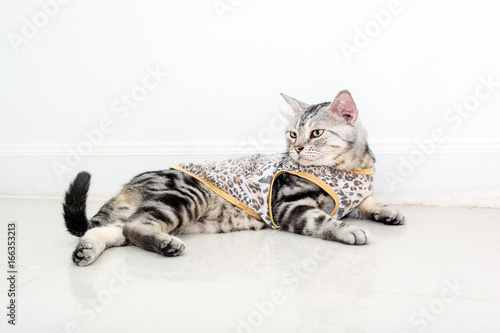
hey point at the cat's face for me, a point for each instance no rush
(323, 134)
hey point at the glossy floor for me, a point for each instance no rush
(438, 273)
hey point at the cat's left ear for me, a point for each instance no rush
(344, 107)
(296, 105)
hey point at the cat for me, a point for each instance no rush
(324, 175)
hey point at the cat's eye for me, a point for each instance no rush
(293, 135)
(317, 133)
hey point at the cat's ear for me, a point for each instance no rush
(344, 107)
(296, 105)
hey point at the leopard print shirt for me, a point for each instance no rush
(247, 182)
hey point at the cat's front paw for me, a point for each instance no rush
(388, 215)
(349, 234)
(84, 254)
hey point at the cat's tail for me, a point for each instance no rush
(75, 203)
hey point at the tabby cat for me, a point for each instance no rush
(324, 175)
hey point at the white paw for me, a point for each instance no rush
(84, 254)
(388, 215)
(352, 235)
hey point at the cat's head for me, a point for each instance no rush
(328, 134)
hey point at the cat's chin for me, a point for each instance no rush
(303, 161)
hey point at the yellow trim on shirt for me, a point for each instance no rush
(368, 171)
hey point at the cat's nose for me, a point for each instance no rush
(298, 149)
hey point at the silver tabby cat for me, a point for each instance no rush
(155, 207)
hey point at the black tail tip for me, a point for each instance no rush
(79, 187)
(82, 177)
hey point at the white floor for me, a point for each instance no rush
(439, 273)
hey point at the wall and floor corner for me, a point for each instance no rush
(422, 173)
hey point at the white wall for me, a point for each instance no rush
(222, 64)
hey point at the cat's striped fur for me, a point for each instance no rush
(155, 207)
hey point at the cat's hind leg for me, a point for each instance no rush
(107, 231)
(96, 240)
(149, 231)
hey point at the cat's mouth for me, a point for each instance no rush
(305, 160)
